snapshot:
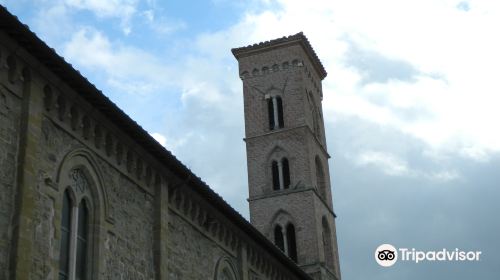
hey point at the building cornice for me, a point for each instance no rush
(284, 130)
(297, 39)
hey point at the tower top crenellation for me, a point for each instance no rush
(299, 39)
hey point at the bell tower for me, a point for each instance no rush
(289, 184)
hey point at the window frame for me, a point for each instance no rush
(275, 112)
(77, 190)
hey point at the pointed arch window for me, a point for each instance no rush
(75, 221)
(320, 178)
(275, 171)
(65, 237)
(284, 239)
(74, 240)
(279, 240)
(292, 246)
(327, 244)
(280, 174)
(81, 247)
(275, 112)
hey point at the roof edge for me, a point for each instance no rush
(298, 38)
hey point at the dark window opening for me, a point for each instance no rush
(286, 173)
(270, 110)
(65, 237)
(276, 179)
(278, 238)
(280, 112)
(292, 246)
(81, 251)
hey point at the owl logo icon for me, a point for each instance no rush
(386, 255)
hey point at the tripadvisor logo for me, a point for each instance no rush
(386, 255)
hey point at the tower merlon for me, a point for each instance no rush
(297, 39)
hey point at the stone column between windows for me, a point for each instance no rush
(285, 240)
(280, 175)
(275, 109)
(73, 242)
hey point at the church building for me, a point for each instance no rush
(87, 194)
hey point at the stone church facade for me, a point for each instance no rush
(86, 193)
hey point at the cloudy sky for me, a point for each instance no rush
(411, 105)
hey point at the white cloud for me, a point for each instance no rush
(162, 24)
(387, 163)
(121, 9)
(127, 68)
(160, 138)
(392, 165)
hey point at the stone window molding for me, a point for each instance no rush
(320, 178)
(80, 188)
(327, 244)
(279, 169)
(283, 234)
(280, 174)
(225, 270)
(275, 111)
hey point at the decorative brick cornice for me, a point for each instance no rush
(298, 38)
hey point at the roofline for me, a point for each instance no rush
(47, 56)
(298, 38)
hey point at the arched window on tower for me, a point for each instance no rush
(279, 240)
(284, 239)
(291, 243)
(270, 112)
(286, 173)
(275, 171)
(327, 244)
(320, 178)
(280, 174)
(275, 112)
(280, 112)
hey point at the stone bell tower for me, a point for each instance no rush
(289, 183)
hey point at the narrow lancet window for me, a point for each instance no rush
(280, 174)
(278, 238)
(81, 247)
(65, 237)
(275, 112)
(275, 171)
(286, 173)
(292, 245)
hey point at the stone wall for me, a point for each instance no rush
(10, 116)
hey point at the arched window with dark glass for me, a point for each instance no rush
(75, 227)
(275, 173)
(275, 112)
(279, 102)
(291, 243)
(286, 173)
(65, 237)
(270, 111)
(280, 171)
(81, 245)
(279, 241)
